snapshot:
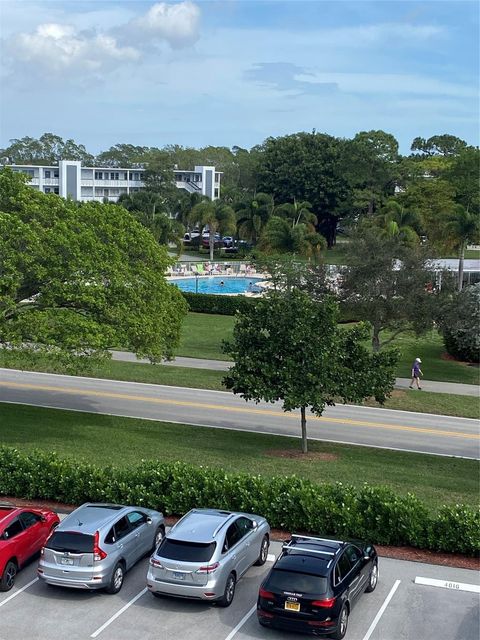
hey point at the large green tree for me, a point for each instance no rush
(48, 149)
(81, 278)
(307, 167)
(388, 284)
(289, 347)
(462, 228)
(252, 216)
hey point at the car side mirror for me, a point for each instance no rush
(43, 519)
(149, 520)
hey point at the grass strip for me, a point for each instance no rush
(103, 440)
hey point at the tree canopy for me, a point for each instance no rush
(82, 278)
(288, 347)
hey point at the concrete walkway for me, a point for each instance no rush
(219, 365)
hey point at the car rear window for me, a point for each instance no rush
(71, 542)
(298, 582)
(186, 551)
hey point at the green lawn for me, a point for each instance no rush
(202, 335)
(120, 441)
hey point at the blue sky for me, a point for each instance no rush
(233, 72)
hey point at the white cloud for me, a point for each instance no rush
(178, 24)
(58, 47)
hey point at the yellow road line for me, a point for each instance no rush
(248, 410)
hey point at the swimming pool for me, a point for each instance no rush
(212, 284)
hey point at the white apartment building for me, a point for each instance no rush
(69, 178)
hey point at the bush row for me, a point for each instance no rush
(376, 514)
(229, 305)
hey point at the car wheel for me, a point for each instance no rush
(227, 598)
(262, 558)
(116, 581)
(8, 578)
(373, 580)
(342, 624)
(159, 535)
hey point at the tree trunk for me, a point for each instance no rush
(460, 266)
(304, 431)
(376, 339)
(211, 242)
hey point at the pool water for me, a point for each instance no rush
(211, 284)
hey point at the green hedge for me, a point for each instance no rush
(374, 513)
(229, 305)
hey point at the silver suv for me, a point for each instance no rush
(206, 553)
(96, 544)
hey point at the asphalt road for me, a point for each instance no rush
(399, 609)
(385, 428)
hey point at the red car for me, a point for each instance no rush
(23, 532)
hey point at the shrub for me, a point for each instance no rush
(459, 324)
(229, 305)
(376, 514)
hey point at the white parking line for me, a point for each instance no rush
(382, 609)
(448, 584)
(241, 623)
(119, 613)
(271, 557)
(14, 595)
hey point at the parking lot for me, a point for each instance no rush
(399, 609)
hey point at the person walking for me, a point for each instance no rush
(416, 373)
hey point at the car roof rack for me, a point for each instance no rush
(298, 535)
(297, 548)
(222, 524)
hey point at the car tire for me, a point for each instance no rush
(8, 578)
(116, 581)
(227, 598)
(159, 536)
(373, 578)
(342, 624)
(262, 558)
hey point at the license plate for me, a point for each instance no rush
(292, 606)
(66, 561)
(178, 576)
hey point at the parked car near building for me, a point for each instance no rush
(205, 554)
(97, 544)
(23, 532)
(314, 584)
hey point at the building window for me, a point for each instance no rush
(216, 192)
(105, 193)
(125, 175)
(98, 175)
(198, 177)
(217, 177)
(55, 190)
(114, 175)
(55, 174)
(47, 174)
(47, 189)
(135, 176)
(29, 172)
(141, 176)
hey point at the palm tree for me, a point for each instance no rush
(395, 220)
(463, 228)
(280, 237)
(252, 216)
(297, 212)
(217, 216)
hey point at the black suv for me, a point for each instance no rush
(314, 583)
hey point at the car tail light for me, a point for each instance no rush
(322, 623)
(98, 554)
(263, 593)
(209, 568)
(328, 603)
(265, 614)
(156, 563)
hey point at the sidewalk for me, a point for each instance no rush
(223, 365)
